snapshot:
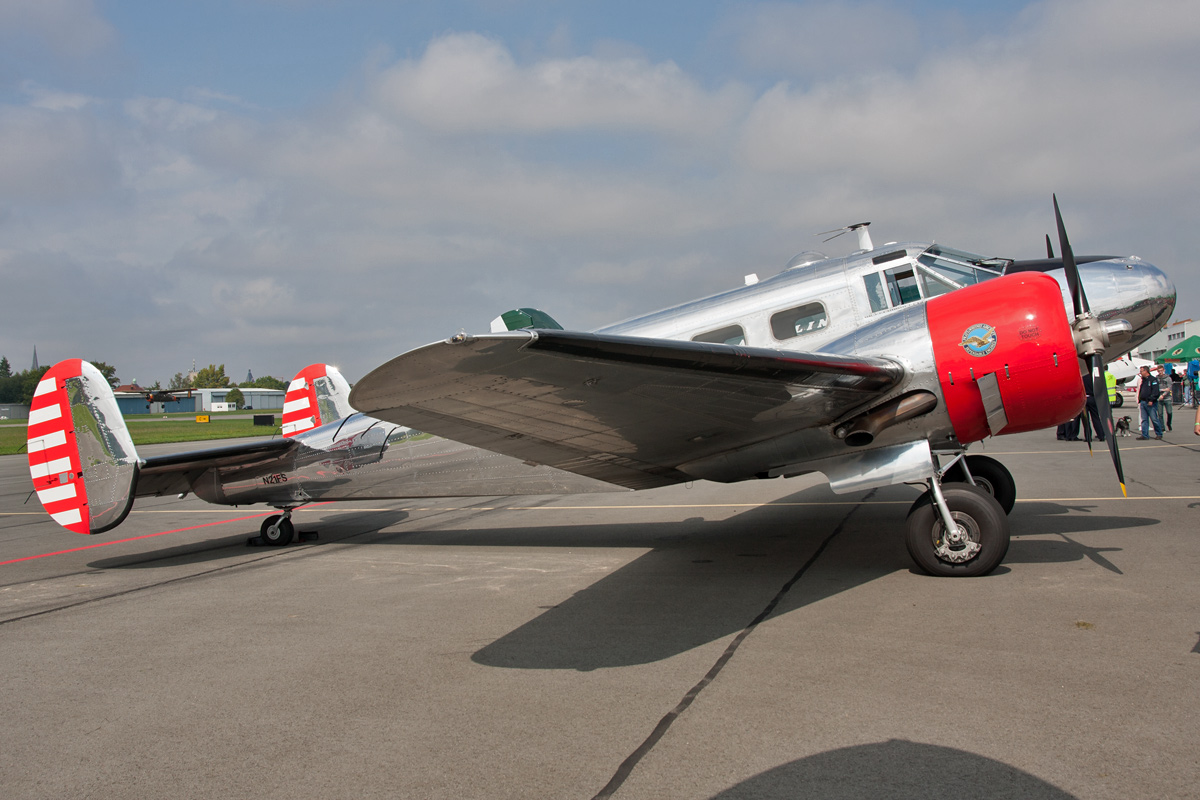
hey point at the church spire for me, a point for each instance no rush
(35, 364)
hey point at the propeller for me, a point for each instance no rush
(1092, 337)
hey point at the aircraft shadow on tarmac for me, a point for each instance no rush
(895, 769)
(705, 580)
(702, 580)
(1043, 519)
(344, 526)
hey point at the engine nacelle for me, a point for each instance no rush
(1016, 328)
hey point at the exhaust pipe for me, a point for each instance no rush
(863, 429)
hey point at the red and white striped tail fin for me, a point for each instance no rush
(317, 396)
(81, 457)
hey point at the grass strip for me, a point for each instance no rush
(12, 437)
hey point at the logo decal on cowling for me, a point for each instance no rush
(979, 340)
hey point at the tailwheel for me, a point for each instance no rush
(277, 530)
(989, 475)
(976, 546)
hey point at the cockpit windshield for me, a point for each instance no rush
(944, 269)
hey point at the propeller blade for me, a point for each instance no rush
(1073, 282)
(1100, 392)
(1087, 429)
(1049, 248)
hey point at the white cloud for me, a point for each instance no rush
(447, 188)
(823, 39)
(50, 100)
(70, 28)
(468, 83)
(53, 156)
(1072, 100)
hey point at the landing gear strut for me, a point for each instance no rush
(988, 474)
(956, 529)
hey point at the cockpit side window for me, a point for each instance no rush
(793, 322)
(730, 334)
(902, 285)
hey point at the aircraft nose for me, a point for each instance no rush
(1130, 289)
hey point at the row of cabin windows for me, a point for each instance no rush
(786, 324)
(929, 277)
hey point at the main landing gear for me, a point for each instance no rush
(277, 530)
(959, 527)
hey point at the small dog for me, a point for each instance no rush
(1123, 426)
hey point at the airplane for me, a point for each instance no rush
(874, 369)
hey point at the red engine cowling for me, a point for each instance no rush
(1016, 327)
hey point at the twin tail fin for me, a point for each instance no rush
(317, 396)
(81, 457)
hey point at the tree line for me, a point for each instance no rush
(18, 387)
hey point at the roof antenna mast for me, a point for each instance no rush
(864, 237)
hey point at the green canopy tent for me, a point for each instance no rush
(1186, 350)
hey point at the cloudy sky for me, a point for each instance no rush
(268, 183)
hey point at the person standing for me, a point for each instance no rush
(1090, 411)
(1166, 407)
(1148, 403)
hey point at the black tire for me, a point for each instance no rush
(978, 513)
(277, 530)
(1118, 402)
(991, 476)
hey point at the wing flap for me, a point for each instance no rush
(623, 409)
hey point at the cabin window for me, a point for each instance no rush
(798, 321)
(730, 334)
(875, 292)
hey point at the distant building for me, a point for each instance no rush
(256, 399)
(1167, 338)
(131, 400)
(35, 364)
(14, 411)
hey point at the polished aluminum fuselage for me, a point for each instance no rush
(361, 457)
(1117, 288)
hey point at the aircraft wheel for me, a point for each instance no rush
(1117, 402)
(991, 476)
(277, 530)
(976, 548)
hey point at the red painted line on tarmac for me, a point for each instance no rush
(146, 536)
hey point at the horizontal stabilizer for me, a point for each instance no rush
(177, 473)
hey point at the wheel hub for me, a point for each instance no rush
(961, 544)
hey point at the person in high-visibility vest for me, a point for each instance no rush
(1110, 381)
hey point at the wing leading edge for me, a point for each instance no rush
(623, 409)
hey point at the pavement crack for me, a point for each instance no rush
(660, 730)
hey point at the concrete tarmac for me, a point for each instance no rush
(762, 640)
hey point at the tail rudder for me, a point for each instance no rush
(317, 396)
(81, 457)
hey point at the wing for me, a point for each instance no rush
(626, 410)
